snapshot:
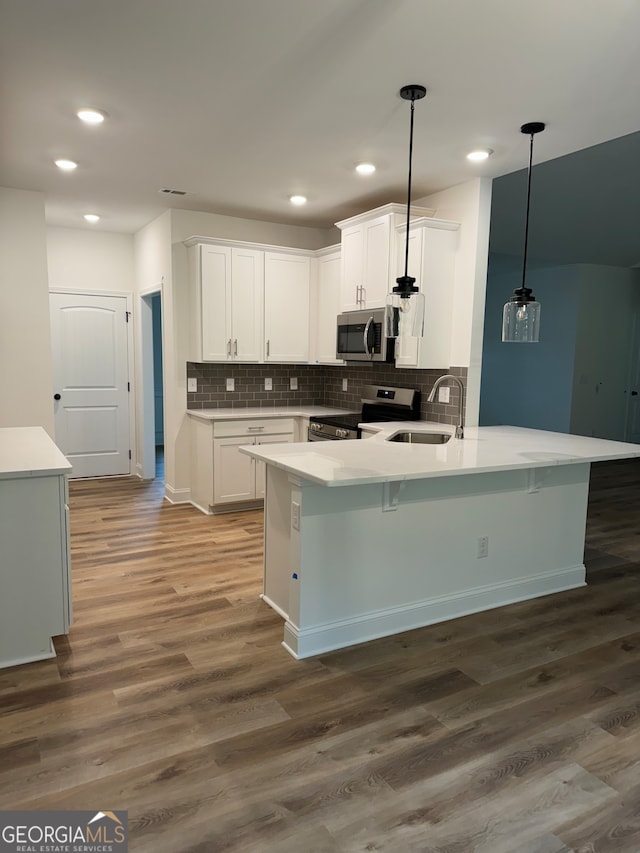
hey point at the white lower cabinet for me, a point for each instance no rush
(35, 572)
(222, 478)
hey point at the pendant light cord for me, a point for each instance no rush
(526, 220)
(406, 248)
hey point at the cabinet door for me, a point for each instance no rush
(260, 466)
(432, 261)
(233, 472)
(247, 283)
(407, 346)
(215, 292)
(286, 307)
(352, 268)
(377, 257)
(327, 309)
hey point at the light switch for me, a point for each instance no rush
(231, 384)
(192, 384)
(443, 394)
(293, 383)
(268, 384)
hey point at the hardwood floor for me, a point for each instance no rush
(510, 731)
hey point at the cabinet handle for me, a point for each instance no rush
(363, 296)
(229, 347)
(254, 428)
(235, 347)
(358, 295)
(268, 348)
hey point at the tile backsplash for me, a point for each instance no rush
(317, 385)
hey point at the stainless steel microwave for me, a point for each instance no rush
(361, 337)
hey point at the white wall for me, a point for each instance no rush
(189, 223)
(470, 205)
(87, 260)
(26, 376)
(152, 264)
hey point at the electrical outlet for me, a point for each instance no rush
(268, 384)
(483, 547)
(345, 384)
(192, 384)
(231, 384)
(444, 394)
(293, 383)
(295, 515)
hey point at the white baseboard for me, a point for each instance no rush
(307, 642)
(203, 509)
(177, 496)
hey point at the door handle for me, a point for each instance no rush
(366, 336)
(57, 396)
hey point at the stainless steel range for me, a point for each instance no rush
(379, 403)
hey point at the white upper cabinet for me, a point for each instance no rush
(286, 307)
(226, 303)
(326, 304)
(432, 256)
(369, 251)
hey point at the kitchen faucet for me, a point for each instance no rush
(432, 397)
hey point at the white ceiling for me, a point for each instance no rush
(244, 102)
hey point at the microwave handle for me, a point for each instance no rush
(366, 336)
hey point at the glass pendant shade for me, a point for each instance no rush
(521, 320)
(404, 315)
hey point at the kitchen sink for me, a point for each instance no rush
(421, 437)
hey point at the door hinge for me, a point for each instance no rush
(129, 454)
(127, 314)
(128, 386)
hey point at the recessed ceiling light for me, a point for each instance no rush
(92, 217)
(91, 116)
(479, 154)
(365, 168)
(66, 165)
(297, 199)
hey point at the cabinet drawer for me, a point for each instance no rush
(253, 427)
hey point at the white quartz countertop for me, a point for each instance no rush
(29, 452)
(483, 449)
(271, 412)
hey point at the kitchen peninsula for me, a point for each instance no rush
(369, 538)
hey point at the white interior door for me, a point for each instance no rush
(90, 374)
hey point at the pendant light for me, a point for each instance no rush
(521, 314)
(404, 309)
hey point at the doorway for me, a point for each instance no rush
(152, 420)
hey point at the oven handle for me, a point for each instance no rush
(366, 336)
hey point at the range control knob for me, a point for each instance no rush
(341, 433)
(316, 427)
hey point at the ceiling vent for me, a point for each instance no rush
(168, 191)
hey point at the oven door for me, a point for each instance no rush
(318, 436)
